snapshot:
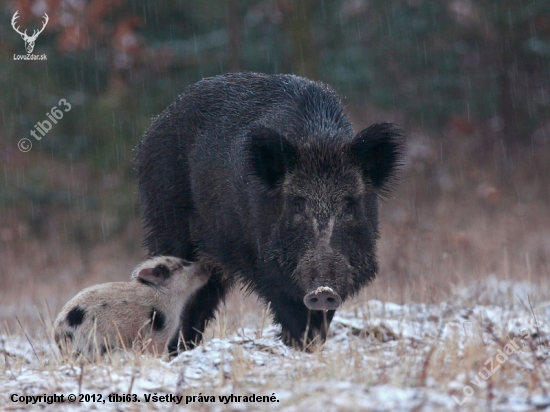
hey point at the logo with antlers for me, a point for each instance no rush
(29, 40)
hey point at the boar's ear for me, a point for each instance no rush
(378, 151)
(270, 155)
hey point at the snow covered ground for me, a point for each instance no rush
(380, 356)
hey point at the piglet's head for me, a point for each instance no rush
(168, 272)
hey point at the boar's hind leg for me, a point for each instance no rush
(296, 320)
(200, 310)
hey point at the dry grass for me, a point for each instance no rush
(378, 357)
(461, 223)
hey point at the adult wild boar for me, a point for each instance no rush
(261, 177)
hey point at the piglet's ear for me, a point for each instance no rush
(378, 151)
(147, 275)
(270, 155)
(155, 275)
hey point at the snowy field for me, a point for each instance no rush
(380, 356)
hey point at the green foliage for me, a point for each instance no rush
(429, 60)
(435, 60)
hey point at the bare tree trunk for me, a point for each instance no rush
(298, 17)
(234, 27)
(506, 94)
(507, 105)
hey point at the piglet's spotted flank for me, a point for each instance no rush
(141, 314)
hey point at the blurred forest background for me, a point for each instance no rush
(469, 80)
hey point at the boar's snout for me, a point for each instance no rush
(322, 298)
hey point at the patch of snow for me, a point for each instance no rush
(378, 355)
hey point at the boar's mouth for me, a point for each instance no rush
(322, 298)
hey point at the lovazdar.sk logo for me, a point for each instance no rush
(29, 40)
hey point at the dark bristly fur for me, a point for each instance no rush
(261, 177)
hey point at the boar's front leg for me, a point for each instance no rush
(200, 310)
(301, 328)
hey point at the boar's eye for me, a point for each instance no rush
(299, 206)
(348, 206)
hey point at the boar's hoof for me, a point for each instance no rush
(322, 298)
